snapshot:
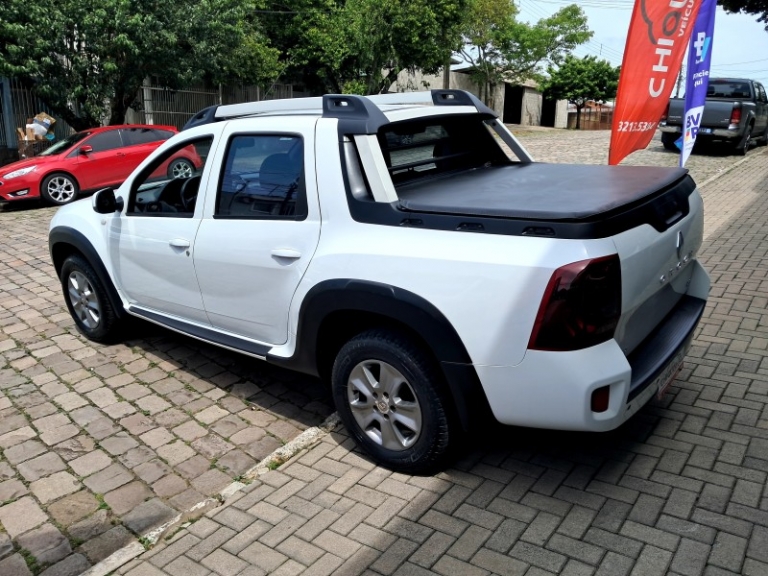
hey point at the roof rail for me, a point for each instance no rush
(361, 114)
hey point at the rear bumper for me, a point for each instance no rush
(554, 389)
(716, 133)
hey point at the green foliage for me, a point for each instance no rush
(87, 59)
(758, 7)
(501, 48)
(360, 46)
(580, 80)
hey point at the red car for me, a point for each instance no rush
(90, 160)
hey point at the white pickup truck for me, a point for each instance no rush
(395, 247)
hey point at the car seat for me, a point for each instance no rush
(279, 178)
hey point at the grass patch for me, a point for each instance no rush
(275, 463)
(31, 561)
(102, 503)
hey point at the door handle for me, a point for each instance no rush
(179, 243)
(286, 253)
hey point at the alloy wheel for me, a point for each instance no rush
(61, 189)
(84, 300)
(181, 170)
(384, 405)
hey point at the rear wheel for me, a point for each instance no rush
(743, 146)
(390, 396)
(87, 300)
(59, 189)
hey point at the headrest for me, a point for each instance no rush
(279, 170)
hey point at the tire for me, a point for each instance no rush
(668, 140)
(59, 188)
(181, 168)
(743, 146)
(87, 301)
(391, 398)
(763, 141)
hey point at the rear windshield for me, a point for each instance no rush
(416, 150)
(722, 89)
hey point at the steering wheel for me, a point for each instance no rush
(188, 193)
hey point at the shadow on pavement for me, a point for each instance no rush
(290, 395)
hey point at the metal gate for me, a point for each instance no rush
(175, 107)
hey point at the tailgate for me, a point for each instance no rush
(656, 270)
(675, 113)
(717, 113)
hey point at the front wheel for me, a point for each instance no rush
(668, 140)
(87, 300)
(59, 189)
(390, 396)
(763, 141)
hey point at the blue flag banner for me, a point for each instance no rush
(699, 58)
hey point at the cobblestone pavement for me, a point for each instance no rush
(101, 443)
(592, 148)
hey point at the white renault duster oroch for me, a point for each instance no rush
(388, 244)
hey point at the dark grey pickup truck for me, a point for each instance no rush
(736, 112)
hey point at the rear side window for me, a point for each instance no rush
(263, 178)
(105, 141)
(761, 90)
(422, 149)
(134, 136)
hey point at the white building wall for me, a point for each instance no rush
(413, 81)
(532, 98)
(532, 102)
(561, 114)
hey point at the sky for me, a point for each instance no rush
(739, 47)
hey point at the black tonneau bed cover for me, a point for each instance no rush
(541, 191)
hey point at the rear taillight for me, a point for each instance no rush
(736, 114)
(581, 306)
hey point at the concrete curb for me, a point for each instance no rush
(725, 171)
(306, 439)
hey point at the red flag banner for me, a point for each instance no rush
(656, 43)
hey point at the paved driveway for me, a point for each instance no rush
(102, 443)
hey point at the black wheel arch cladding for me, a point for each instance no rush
(403, 307)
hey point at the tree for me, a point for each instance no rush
(87, 59)
(759, 7)
(580, 80)
(501, 48)
(360, 46)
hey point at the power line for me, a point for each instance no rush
(743, 63)
(592, 47)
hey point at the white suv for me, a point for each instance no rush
(392, 246)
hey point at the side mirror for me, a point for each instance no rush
(86, 149)
(105, 202)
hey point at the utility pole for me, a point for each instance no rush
(679, 81)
